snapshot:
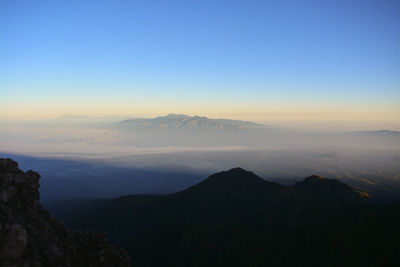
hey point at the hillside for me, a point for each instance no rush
(236, 218)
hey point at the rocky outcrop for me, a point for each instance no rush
(30, 237)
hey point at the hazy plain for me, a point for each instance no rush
(102, 157)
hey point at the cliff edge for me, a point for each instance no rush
(29, 237)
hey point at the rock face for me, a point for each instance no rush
(30, 237)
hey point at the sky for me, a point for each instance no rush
(294, 61)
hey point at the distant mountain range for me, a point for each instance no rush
(180, 123)
(384, 133)
(236, 218)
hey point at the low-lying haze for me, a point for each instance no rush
(106, 157)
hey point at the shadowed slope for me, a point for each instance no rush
(235, 218)
(328, 189)
(236, 178)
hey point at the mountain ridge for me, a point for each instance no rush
(225, 206)
(188, 124)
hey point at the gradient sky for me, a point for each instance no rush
(258, 60)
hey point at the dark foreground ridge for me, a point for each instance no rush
(30, 237)
(236, 218)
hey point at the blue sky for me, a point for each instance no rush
(212, 57)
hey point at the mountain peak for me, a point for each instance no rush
(328, 189)
(235, 178)
(175, 116)
(314, 177)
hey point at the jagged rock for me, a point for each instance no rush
(30, 237)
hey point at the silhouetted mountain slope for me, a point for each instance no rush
(235, 178)
(30, 237)
(235, 218)
(327, 189)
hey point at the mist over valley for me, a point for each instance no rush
(103, 158)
